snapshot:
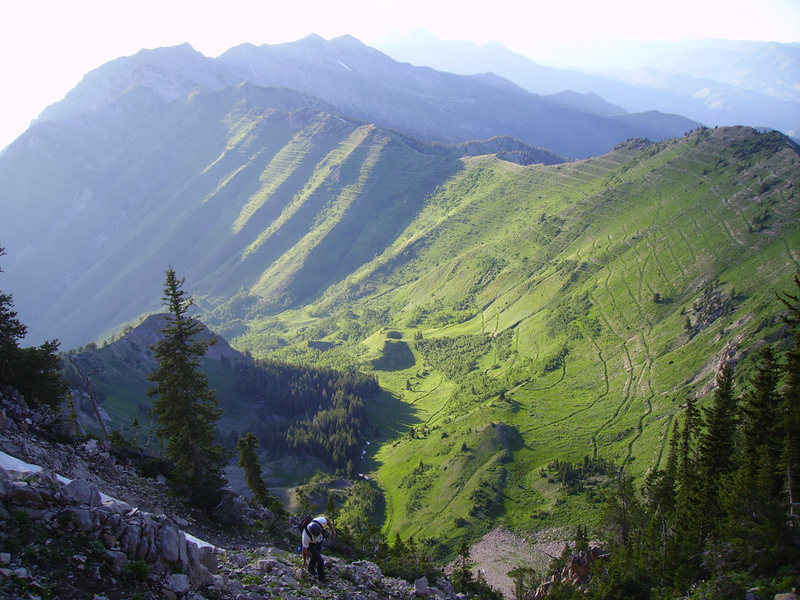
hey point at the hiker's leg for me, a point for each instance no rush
(316, 557)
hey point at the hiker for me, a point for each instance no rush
(313, 535)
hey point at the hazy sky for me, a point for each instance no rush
(48, 45)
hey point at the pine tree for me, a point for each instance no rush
(185, 408)
(761, 418)
(791, 405)
(247, 447)
(34, 371)
(717, 445)
(687, 517)
(462, 571)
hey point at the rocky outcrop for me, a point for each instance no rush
(178, 565)
(577, 572)
(113, 549)
(127, 533)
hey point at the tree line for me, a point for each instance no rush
(723, 513)
(307, 410)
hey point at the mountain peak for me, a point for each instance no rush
(312, 38)
(170, 72)
(348, 40)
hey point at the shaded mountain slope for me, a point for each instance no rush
(241, 188)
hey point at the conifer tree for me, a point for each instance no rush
(687, 516)
(462, 572)
(791, 405)
(247, 447)
(761, 419)
(185, 408)
(716, 448)
(34, 371)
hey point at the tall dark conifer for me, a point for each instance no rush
(762, 422)
(716, 448)
(791, 403)
(247, 447)
(185, 408)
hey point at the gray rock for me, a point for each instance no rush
(183, 557)
(178, 583)
(82, 517)
(421, 586)
(180, 521)
(118, 560)
(129, 541)
(199, 576)
(5, 485)
(169, 544)
(23, 494)
(209, 559)
(118, 506)
(81, 491)
(239, 560)
(266, 565)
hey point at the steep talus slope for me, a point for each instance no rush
(575, 306)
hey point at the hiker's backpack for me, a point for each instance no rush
(305, 522)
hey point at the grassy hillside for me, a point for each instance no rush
(260, 197)
(532, 314)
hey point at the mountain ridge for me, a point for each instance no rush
(426, 103)
(742, 89)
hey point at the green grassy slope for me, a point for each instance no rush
(552, 303)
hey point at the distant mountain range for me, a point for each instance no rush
(715, 82)
(362, 83)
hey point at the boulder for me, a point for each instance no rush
(239, 560)
(23, 494)
(421, 586)
(129, 541)
(81, 491)
(5, 485)
(82, 517)
(178, 583)
(118, 560)
(266, 565)
(209, 559)
(169, 544)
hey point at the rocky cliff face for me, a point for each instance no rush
(62, 537)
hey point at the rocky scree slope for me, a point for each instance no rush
(62, 538)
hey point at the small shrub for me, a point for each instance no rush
(136, 570)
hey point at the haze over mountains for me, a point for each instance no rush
(715, 82)
(363, 83)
